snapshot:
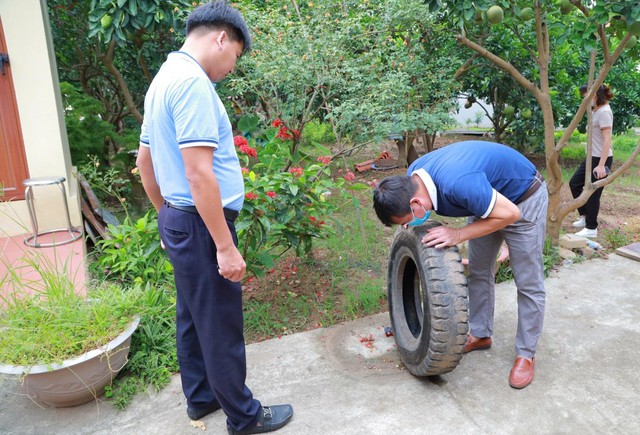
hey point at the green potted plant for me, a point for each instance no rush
(65, 347)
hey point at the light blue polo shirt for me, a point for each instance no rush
(182, 109)
(463, 178)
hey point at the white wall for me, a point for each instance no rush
(35, 77)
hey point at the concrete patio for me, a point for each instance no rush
(586, 376)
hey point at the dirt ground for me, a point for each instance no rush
(620, 209)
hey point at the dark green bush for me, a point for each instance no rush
(573, 153)
(86, 130)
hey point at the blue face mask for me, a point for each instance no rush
(417, 222)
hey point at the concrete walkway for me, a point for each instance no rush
(587, 378)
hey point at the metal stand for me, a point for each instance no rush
(32, 240)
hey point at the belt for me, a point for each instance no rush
(229, 214)
(535, 185)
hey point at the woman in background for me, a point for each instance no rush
(601, 160)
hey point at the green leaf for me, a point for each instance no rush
(358, 187)
(133, 7)
(248, 123)
(266, 260)
(266, 223)
(92, 32)
(120, 34)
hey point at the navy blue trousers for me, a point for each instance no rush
(591, 208)
(210, 337)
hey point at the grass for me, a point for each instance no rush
(615, 238)
(361, 255)
(45, 321)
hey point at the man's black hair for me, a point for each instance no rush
(392, 197)
(220, 15)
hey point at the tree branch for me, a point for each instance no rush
(605, 43)
(465, 67)
(506, 66)
(514, 29)
(107, 59)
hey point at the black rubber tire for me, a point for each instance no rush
(428, 303)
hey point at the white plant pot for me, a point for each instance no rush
(78, 380)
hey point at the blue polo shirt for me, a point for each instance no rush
(463, 178)
(181, 110)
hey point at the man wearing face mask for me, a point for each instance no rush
(504, 199)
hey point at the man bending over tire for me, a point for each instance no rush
(504, 199)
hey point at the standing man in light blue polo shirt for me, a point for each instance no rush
(505, 199)
(191, 173)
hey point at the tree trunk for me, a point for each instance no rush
(402, 152)
(107, 59)
(407, 153)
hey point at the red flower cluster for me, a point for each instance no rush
(271, 194)
(243, 145)
(240, 141)
(349, 176)
(324, 159)
(315, 221)
(296, 171)
(283, 132)
(245, 171)
(250, 196)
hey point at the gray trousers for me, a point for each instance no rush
(525, 239)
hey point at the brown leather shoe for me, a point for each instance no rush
(481, 344)
(522, 372)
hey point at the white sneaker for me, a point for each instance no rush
(586, 232)
(579, 223)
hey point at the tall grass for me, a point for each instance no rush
(360, 248)
(45, 321)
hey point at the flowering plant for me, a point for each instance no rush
(287, 197)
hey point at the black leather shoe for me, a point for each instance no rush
(198, 413)
(272, 418)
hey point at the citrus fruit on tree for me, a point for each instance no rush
(495, 14)
(106, 21)
(527, 14)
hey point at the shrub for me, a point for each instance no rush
(316, 132)
(106, 182)
(573, 153)
(286, 204)
(615, 237)
(576, 136)
(625, 144)
(132, 253)
(86, 129)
